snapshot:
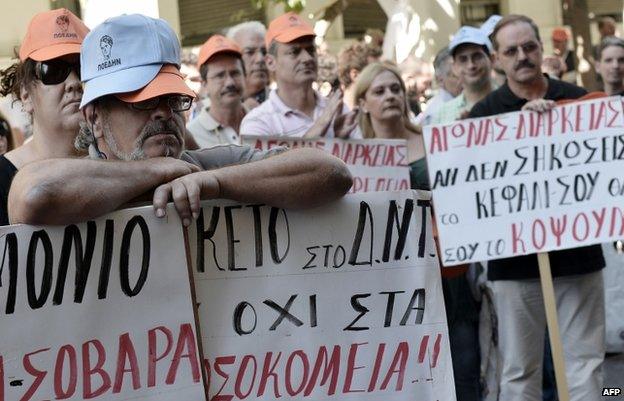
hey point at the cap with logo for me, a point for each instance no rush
(286, 28)
(490, 23)
(560, 34)
(126, 53)
(217, 44)
(470, 35)
(53, 34)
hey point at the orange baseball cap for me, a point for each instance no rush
(214, 45)
(560, 34)
(169, 80)
(286, 28)
(53, 34)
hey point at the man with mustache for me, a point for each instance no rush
(134, 121)
(249, 36)
(223, 80)
(579, 287)
(295, 109)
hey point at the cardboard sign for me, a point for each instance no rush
(100, 310)
(341, 302)
(376, 164)
(521, 183)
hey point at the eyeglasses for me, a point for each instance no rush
(177, 103)
(527, 48)
(53, 72)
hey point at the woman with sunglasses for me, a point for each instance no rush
(46, 80)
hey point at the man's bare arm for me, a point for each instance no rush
(299, 178)
(64, 191)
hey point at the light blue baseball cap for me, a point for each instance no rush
(472, 35)
(490, 23)
(124, 54)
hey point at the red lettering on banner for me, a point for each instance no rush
(397, 367)
(352, 368)
(329, 367)
(126, 352)
(241, 375)
(186, 341)
(517, 243)
(617, 117)
(289, 375)
(153, 357)
(439, 141)
(538, 244)
(223, 360)
(37, 374)
(88, 372)
(575, 227)
(70, 352)
(378, 359)
(259, 142)
(268, 370)
(558, 227)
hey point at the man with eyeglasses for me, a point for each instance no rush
(134, 120)
(46, 81)
(249, 36)
(295, 109)
(472, 64)
(579, 286)
(223, 80)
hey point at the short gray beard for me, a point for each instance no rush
(137, 153)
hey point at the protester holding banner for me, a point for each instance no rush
(46, 79)
(145, 94)
(249, 36)
(223, 80)
(295, 108)
(471, 50)
(383, 113)
(577, 272)
(610, 65)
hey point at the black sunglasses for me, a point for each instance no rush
(177, 103)
(53, 72)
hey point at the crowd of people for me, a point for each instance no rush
(113, 120)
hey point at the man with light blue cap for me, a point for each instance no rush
(134, 97)
(471, 50)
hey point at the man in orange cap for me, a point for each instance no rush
(133, 103)
(560, 38)
(295, 108)
(46, 80)
(223, 80)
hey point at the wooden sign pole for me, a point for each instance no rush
(556, 347)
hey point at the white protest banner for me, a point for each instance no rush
(341, 302)
(100, 310)
(521, 183)
(376, 164)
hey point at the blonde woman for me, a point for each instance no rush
(383, 113)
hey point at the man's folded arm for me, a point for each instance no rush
(65, 191)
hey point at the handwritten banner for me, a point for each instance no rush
(376, 164)
(100, 310)
(342, 302)
(525, 182)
